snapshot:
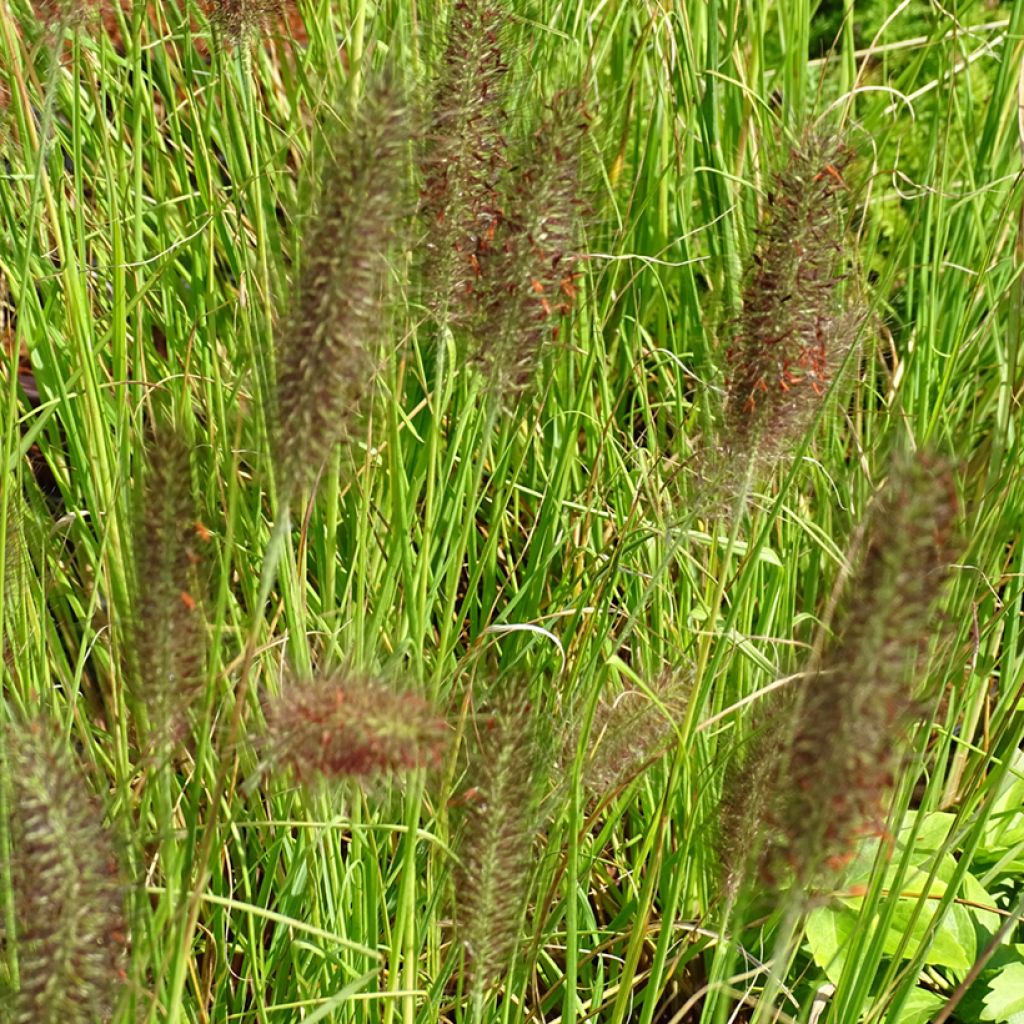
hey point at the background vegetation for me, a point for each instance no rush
(365, 661)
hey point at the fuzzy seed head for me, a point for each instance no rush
(66, 13)
(68, 898)
(16, 560)
(344, 726)
(825, 755)
(496, 849)
(629, 728)
(327, 358)
(529, 279)
(793, 332)
(243, 20)
(169, 634)
(463, 159)
(18, 575)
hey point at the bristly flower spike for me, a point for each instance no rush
(169, 632)
(70, 14)
(68, 895)
(462, 161)
(342, 726)
(825, 756)
(502, 816)
(242, 20)
(529, 281)
(630, 727)
(327, 359)
(793, 331)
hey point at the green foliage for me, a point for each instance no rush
(1004, 1000)
(918, 869)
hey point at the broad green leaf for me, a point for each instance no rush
(920, 1008)
(952, 943)
(932, 829)
(828, 932)
(1005, 998)
(1005, 826)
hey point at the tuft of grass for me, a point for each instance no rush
(68, 895)
(327, 359)
(169, 632)
(146, 212)
(347, 726)
(825, 755)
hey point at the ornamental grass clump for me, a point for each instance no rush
(344, 725)
(168, 635)
(795, 328)
(816, 774)
(463, 158)
(70, 930)
(502, 812)
(328, 351)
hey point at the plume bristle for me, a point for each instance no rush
(347, 726)
(825, 755)
(327, 359)
(68, 896)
